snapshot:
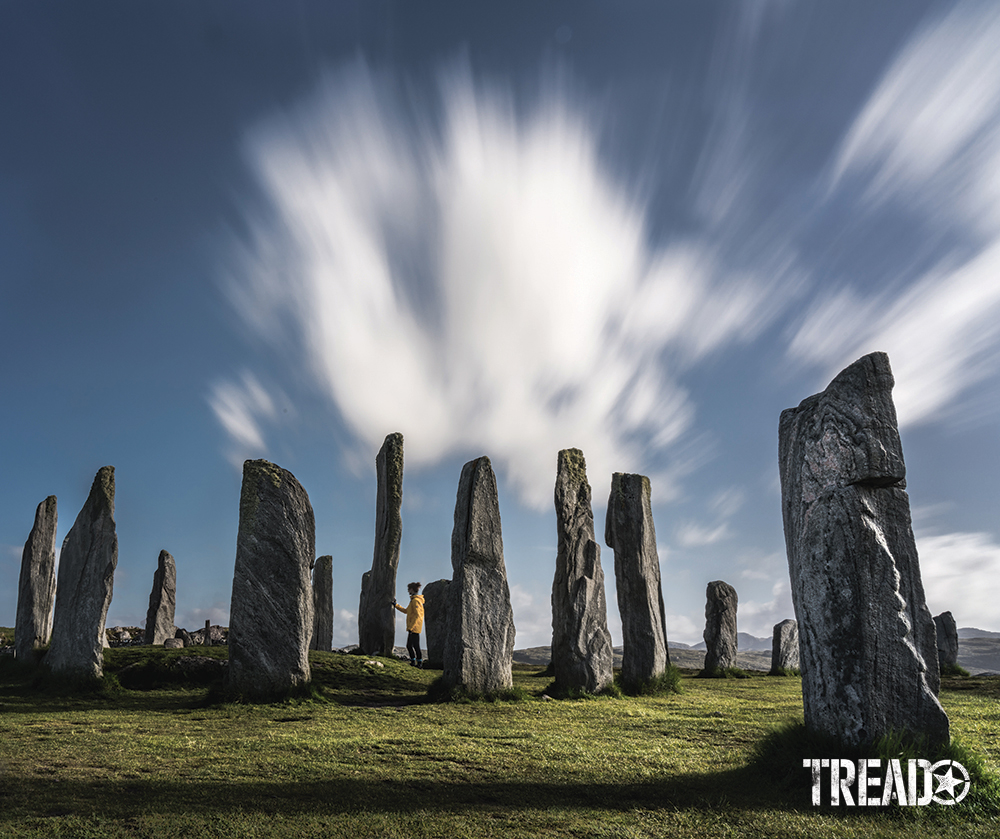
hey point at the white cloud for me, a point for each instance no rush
(691, 535)
(482, 284)
(240, 408)
(682, 628)
(928, 142)
(532, 621)
(960, 573)
(345, 628)
(194, 618)
(929, 133)
(759, 618)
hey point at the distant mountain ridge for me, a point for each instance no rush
(972, 632)
(744, 641)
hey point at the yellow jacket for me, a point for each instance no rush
(414, 613)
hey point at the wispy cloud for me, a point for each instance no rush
(949, 563)
(691, 535)
(532, 620)
(241, 408)
(759, 618)
(927, 144)
(478, 280)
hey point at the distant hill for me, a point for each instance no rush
(972, 632)
(744, 642)
(977, 654)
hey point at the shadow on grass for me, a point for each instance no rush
(39, 797)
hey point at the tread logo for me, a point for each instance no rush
(859, 783)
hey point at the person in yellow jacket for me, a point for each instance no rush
(414, 623)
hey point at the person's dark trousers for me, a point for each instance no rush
(413, 648)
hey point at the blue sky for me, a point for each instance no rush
(233, 230)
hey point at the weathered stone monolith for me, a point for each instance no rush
(785, 647)
(322, 636)
(36, 589)
(479, 648)
(582, 658)
(867, 640)
(376, 617)
(271, 614)
(720, 627)
(86, 578)
(946, 632)
(162, 601)
(436, 602)
(629, 532)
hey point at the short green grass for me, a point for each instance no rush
(370, 756)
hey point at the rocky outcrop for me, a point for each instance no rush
(87, 564)
(36, 589)
(376, 617)
(271, 614)
(436, 602)
(629, 532)
(785, 647)
(322, 636)
(582, 658)
(867, 640)
(946, 633)
(720, 627)
(480, 643)
(162, 601)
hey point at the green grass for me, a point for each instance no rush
(368, 755)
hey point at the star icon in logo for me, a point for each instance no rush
(951, 781)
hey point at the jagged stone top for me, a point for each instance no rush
(102, 493)
(847, 434)
(477, 534)
(255, 471)
(573, 465)
(627, 492)
(392, 453)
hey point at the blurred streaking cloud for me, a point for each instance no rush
(927, 143)
(479, 281)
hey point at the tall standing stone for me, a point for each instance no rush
(376, 617)
(479, 648)
(36, 589)
(87, 564)
(720, 627)
(436, 602)
(867, 640)
(785, 647)
(322, 636)
(162, 601)
(629, 532)
(271, 614)
(946, 632)
(582, 658)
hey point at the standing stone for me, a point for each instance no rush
(785, 647)
(86, 578)
(322, 636)
(37, 585)
(162, 601)
(720, 627)
(376, 617)
(479, 648)
(436, 601)
(629, 532)
(947, 640)
(271, 614)
(867, 640)
(582, 658)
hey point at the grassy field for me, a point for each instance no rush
(372, 758)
